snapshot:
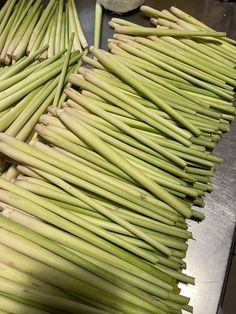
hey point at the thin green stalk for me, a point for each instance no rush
(73, 27)
(30, 19)
(97, 24)
(40, 25)
(82, 38)
(63, 72)
(8, 304)
(7, 14)
(59, 26)
(167, 67)
(22, 64)
(43, 30)
(8, 29)
(146, 31)
(13, 31)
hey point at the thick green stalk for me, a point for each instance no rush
(73, 28)
(147, 31)
(8, 304)
(63, 72)
(59, 26)
(97, 24)
(82, 38)
(40, 25)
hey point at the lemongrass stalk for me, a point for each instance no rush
(196, 55)
(167, 67)
(97, 24)
(8, 304)
(15, 28)
(106, 91)
(82, 132)
(146, 31)
(35, 295)
(4, 9)
(66, 26)
(24, 28)
(73, 28)
(63, 72)
(22, 64)
(82, 235)
(51, 48)
(43, 255)
(114, 217)
(20, 49)
(74, 243)
(129, 190)
(147, 65)
(162, 82)
(19, 92)
(68, 144)
(40, 25)
(43, 30)
(121, 274)
(127, 76)
(82, 38)
(12, 80)
(63, 32)
(56, 277)
(46, 40)
(106, 284)
(34, 67)
(157, 45)
(108, 180)
(59, 26)
(10, 117)
(26, 130)
(8, 29)
(9, 272)
(7, 14)
(142, 45)
(204, 48)
(186, 17)
(159, 172)
(64, 143)
(120, 125)
(150, 12)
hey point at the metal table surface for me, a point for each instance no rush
(207, 257)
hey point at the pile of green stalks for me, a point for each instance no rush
(27, 26)
(95, 217)
(27, 89)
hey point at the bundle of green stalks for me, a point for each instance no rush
(28, 88)
(26, 26)
(95, 218)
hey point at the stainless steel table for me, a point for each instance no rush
(207, 257)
